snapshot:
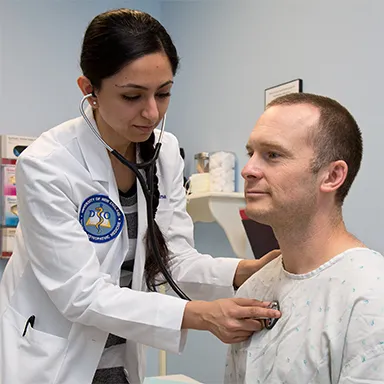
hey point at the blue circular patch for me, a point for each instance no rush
(101, 218)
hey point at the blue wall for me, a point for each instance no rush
(39, 59)
(232, 50)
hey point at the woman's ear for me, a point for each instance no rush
(86, 88)
(334, 176)
(85, 85)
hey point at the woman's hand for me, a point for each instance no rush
(247, 268)
(230, 320)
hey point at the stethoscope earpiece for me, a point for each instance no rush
(270, 323)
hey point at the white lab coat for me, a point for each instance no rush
(70, 284)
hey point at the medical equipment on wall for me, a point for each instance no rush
(214, 172)
(147, 187)
(10, 148)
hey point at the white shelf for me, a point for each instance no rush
(224, 209)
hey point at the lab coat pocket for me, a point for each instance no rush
(28, 355)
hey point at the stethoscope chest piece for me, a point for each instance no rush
(270, 323)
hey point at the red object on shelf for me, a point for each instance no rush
(8, 161)
(260, 236)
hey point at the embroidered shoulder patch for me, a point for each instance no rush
(101, 218)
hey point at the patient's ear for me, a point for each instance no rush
(334, 176)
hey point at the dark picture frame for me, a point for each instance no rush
(293, 86)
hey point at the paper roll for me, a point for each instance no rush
(199, 183)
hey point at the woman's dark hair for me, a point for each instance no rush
(116, 38)
(112, 40)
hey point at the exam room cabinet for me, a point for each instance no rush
(11, 147)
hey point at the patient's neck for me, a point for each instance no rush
(306, 246)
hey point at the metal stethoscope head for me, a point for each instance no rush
(147, 187)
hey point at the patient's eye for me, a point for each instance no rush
(272, 155)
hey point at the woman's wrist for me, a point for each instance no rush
(194, 315)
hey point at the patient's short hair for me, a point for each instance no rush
(336, 136)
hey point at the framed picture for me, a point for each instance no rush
(292, 86)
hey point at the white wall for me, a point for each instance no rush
(231, 51)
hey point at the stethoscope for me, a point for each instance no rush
(147, 187)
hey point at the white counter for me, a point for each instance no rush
(170, 379)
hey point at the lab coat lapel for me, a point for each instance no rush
(138, 275)
(100, 168)
(94, 152)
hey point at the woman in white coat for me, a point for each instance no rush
(77, 298)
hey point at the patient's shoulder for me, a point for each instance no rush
(261, 279)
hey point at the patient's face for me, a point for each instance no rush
(279, 184)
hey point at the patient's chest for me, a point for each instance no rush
(305, 342)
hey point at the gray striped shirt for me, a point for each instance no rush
(111, 369)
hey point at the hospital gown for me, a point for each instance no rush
(331, 330)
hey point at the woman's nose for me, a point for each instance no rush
(151, 110)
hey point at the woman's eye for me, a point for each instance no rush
(137, 97)
(163, 95)
(249, 154)
(131, 98)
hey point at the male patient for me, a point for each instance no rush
(304, 154)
